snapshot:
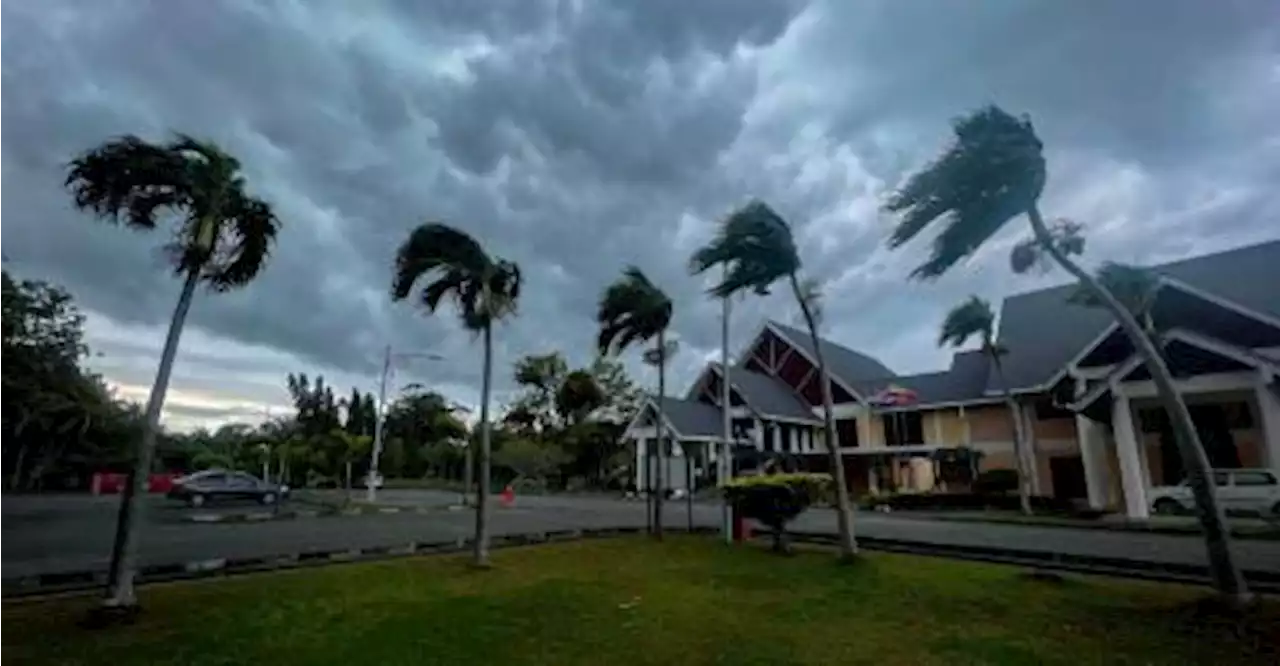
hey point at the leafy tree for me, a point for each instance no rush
(485, 290)
(756, 246)
(974, 317)
(623, 398)
(577, 397)
(542, 376)
(421, 420)
(995, 171)
(530, 459)
(222, 238)
(633, 309)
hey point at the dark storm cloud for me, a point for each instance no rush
(576, 138)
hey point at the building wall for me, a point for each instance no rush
(989, 423)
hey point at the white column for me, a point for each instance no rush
(1131, 473)
(968, 431)
(936, 415)
(1269, 420)
(776, 434)
(757, 435)
(1093, 456)
(642, 468)
(794, 446)
(873, 483)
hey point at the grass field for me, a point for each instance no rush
(632, 601)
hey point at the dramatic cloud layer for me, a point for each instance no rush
(577, 137)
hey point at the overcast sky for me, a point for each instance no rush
(577, 137)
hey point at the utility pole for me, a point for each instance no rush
(371, 478)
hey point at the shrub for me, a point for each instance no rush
(968, 502)
(776, 499)
(996, 481)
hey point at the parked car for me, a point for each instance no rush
(218, 484)
(1239, 491)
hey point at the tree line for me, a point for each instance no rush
(993, 172)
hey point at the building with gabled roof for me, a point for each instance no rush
(1087, 402)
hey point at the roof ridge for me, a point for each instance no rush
(1160, 267)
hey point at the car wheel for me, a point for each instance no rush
(196, 501)
(267, 498)
(1168, 507)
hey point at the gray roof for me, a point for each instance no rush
(849, 366)
(768, 395)
(1042, 332)
(692, 418)
(966, 379)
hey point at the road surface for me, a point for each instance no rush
(58, 534)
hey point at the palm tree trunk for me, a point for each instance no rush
(482, 493)
(844, 514)
(1222, 567)
(1019, 434)
(468, 471)
(15, 484)
(689, 485)
(120, 590)
(662, 436)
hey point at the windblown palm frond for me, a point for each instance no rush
(1133, 286)
(993, 172)
(225, 234)
(631, 309)
(483, 289)
(755, 245)
(970, 318)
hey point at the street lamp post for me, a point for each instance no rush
(371, 481)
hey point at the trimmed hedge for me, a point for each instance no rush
(776, 499)
(969, 502)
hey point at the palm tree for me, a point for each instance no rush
(222, 239)
(974, 317)
(756, 248)
(485, 290)
(993, 172)
(633, 309)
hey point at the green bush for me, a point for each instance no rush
(776, 499)
(996, 482)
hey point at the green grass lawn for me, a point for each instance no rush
(632, 601)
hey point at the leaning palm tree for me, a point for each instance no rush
(633, 309)
(975, 318)
(222, 238)
(757, 249)
(993, 172)
(485, 290)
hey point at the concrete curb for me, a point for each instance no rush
(1264, 532)
(84, 581)
(1262, 581)
(294, 514)
(1267, 582)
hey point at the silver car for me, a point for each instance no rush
(1239, 491)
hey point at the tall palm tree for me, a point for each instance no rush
(755, 246)
(222, 239)
(485, 290)
(975, 318)
(993, 172)
(633, 309)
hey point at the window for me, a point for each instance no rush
(847, 432)
(1255, 479)
(903, 428)
(1221, 479)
